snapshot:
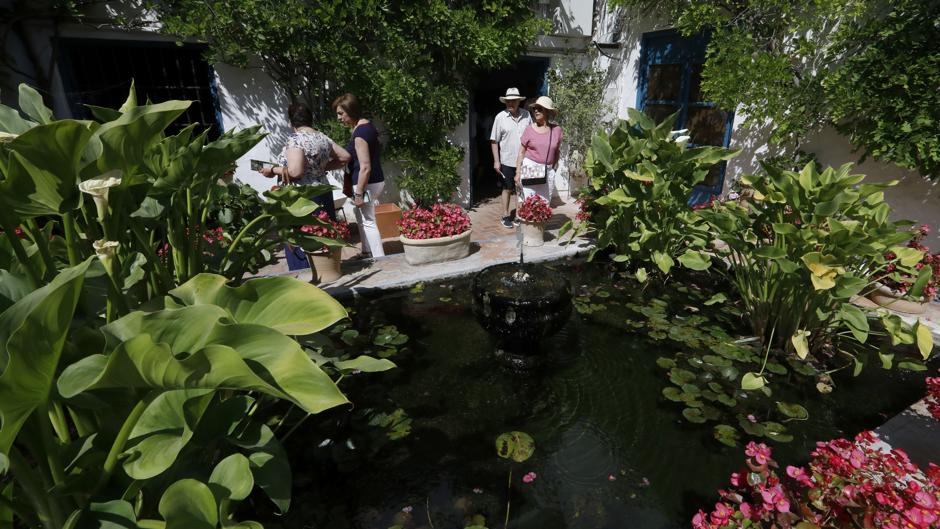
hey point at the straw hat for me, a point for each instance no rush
(546, 103)
(511, 94)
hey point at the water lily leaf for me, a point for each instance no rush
(693, 415)
(717, 361)
(727, 400)
(793, 411)
(672, 393)
(729, 372)
(518, 446)
(717, 298)
(681, 376)
(665, 363)
(716, 387)
(189, 504)
(751, 381)
(751, 428)
(924, 339)
(727, 435)
(777, 369)
(691, 389)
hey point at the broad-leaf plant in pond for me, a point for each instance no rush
(641, 176)
(799, 249)
(135, 388)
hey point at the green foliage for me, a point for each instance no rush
(116, 417)
(868, 67)
(410, 62)
(434, 180)
(579, 92)
(798, 253)
(641, 178)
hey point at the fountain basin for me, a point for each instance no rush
(521, 304)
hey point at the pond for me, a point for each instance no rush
(611, 451)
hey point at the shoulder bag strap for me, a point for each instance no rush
(548, 153)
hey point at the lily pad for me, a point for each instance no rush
(681, 376)
(693, 415)
(727, 400)
(691, 389)
(672, 393)
(716, 360)
(777, 369)
(666, 363)
(518, 446)
(727, 435)
(793, 411)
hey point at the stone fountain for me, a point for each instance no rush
(520, 304)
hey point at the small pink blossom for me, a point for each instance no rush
(529, 477)
(407, 509)
(611, 477)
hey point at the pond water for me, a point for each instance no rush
(611, 452)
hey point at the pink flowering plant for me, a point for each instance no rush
(442, 220)
(933, 397)
(847, 484)
(923, 281)
(323, 232)
(534, 209)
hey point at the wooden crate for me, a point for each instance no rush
(387, 216)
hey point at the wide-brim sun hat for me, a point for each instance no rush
(546, 103)
(512, 94)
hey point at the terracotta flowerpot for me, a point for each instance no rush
(386, 218)
(326, 264)
(533, 233)
(890, 299)
(436, 250)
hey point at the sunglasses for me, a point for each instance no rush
(538, 109)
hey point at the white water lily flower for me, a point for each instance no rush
(682, 141)
(98, 189)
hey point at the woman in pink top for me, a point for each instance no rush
(538, 157)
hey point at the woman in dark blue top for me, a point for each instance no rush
(368, 180)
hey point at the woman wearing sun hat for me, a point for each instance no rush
(538, 157)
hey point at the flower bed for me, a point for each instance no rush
(442, 220)
(327, 228)
(903, 281)
(847, 484)
(534, 209)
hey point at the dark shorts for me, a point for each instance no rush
(508, 180)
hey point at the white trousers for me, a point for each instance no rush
(365, 219)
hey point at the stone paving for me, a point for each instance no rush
(491, 243)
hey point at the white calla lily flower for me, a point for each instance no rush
(682, 141)
(98, 189)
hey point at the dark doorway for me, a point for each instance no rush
(528, 75)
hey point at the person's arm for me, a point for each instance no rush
(558, 148)
(365, 169)
(494, 145)
(296, 163)
(339, 157)
(519, 161)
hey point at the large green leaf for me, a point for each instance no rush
(189, 504)
(11, 122)
(41, 174)
(695, 260)
(163, 430)
(124, 141)
(116, 514)
(269, 464)
(924, 339)
(233, 477)
(282, 303)
(196, 348)
(32, 334)
(32, 105)
(856, 320)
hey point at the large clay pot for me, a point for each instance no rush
(326, 264)
(437, 250)
(533, 233)
(889, 299)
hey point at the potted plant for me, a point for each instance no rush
(902, 290)
(441, 233)
(533, 213)
(323, 243)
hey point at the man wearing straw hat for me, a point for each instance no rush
(508, 127)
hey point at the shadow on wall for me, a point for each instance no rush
(248, 97)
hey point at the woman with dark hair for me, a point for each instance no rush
(367, 177)
(308, 155)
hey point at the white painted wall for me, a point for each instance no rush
(572, 17)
